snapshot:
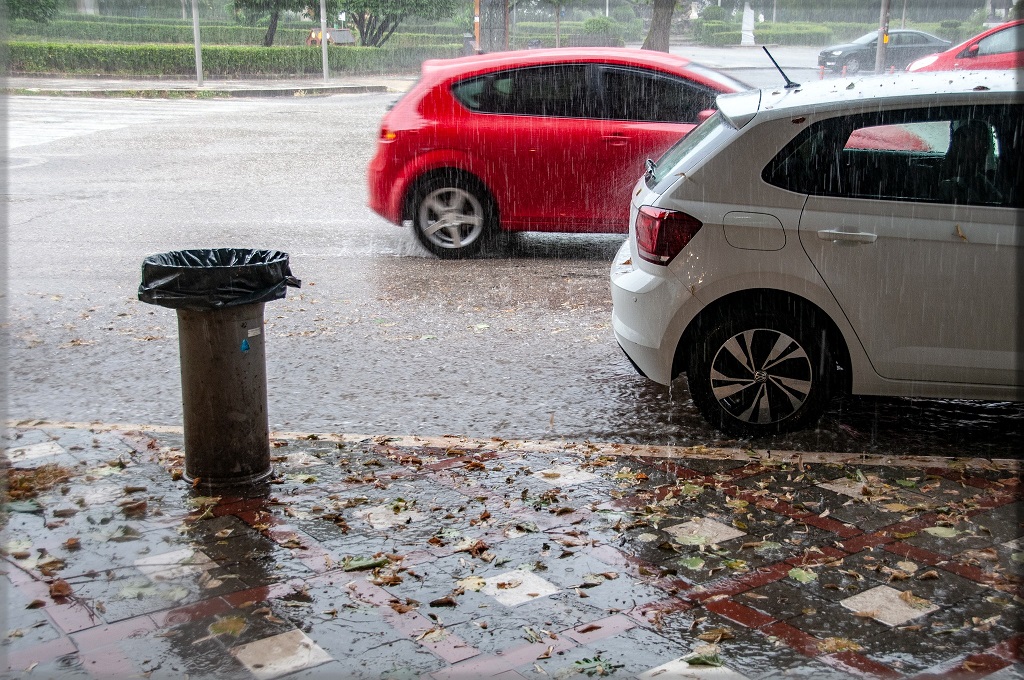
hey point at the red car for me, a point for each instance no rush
(536, 140)
(997, 48)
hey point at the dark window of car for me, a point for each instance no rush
(559, 90)
(971, 155)
(909, 39)
(1008, 40)
(633, 94)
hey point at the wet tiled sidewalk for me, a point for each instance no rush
(451, 558)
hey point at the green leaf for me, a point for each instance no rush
(229, 625)
(906, 483)
(360, 563)
(30, 506)
(693, 563)
(709, 658)
(802, 575)
(943, 532)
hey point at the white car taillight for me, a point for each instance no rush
(662, 234)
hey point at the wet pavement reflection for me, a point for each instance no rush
(449, 557)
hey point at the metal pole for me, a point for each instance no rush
(476, 22)
(199, 48)
(903, 19)
(323, 35)
(883, 37)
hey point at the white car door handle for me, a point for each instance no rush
(855, 236)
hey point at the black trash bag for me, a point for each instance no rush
(215, 279)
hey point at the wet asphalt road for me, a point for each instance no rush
(382, 338)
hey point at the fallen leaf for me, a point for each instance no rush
(474, 583)
(942, 532)
(914, 601)
(60, 588)
(833, 645)
(802, 575)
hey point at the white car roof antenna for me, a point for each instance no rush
(789, 83)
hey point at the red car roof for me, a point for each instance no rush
(436, 70)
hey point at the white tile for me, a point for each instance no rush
(385, 517)
(564, 475)
(884, 604)
(34, 451)
(174, 565)
(678, 668)
(701, 530)
(280, 655)
(845, 486)
(516, 587)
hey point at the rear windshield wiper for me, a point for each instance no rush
(649, 168)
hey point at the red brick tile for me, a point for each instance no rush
(107, 662)
(798, 640)
(101, 636)
(740, 584)
(212, 607)
(836, 527)
(741, 614)
(859, 665)
(41, 653)
(914, 553)
(974, 666)
(865, 541)
(73, 617)
(258, 594)
(827, 554)
(600, 629)
(650, 613)
(1011, 649)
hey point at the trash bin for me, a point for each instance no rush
(219, 295)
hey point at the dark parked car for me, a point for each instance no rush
(903, 48)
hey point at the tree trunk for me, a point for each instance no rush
(268, 39)
(661, 23)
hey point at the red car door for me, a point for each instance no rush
(998, 50)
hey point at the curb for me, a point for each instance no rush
(199, 93)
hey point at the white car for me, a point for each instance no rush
(855, 237)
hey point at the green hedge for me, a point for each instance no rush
(540, 29)
(149, 60)
(723, 38)
(792, 34)
(703, 30)
(152, 33)
(421, 40)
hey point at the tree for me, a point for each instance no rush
(253, 12)
(41, 11)
(559, 6)
(376, 20)
(661, 24)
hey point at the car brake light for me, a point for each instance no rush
(387, 135)
(662, 234)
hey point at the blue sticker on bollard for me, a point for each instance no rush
(245, 345)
